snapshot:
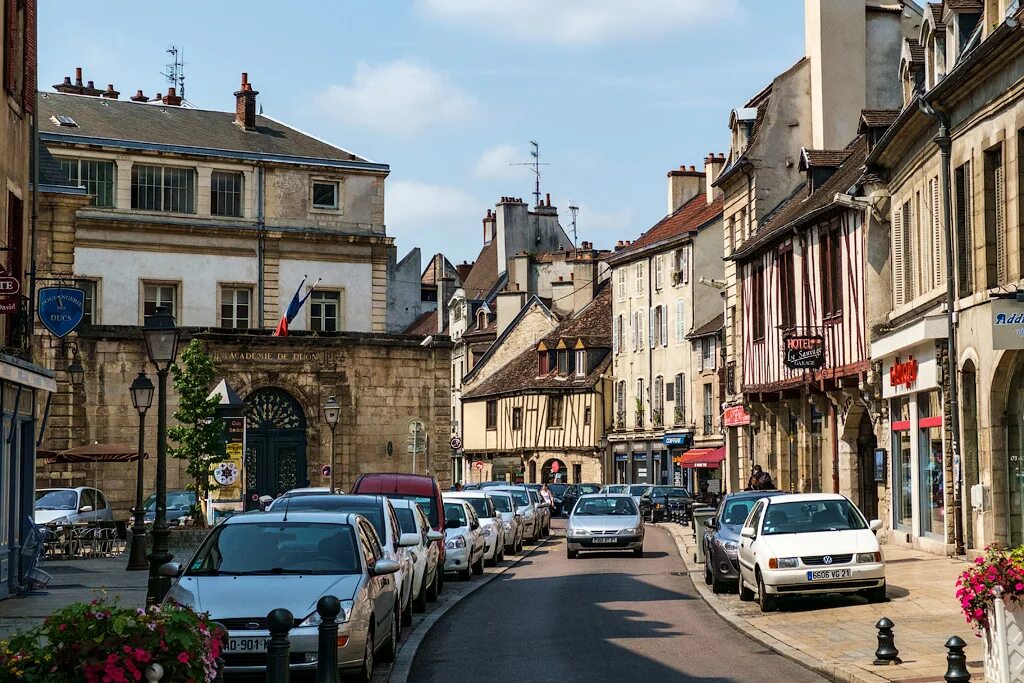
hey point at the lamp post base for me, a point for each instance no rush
(138, 559)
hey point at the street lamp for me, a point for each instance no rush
(76, 370)
(332, 411)
(162, 336)
(142, 398)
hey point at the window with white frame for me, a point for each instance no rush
(664, 325)
(226, 193)
(581, 363)
(95, 174)
(639, 278)
(682, 265)
(707, 353)
(622, 283)
(680, 323)
(163, 188)
(325, 194)
(656, 319)
(325, 313)
(235, 306)
(91, 312)
(617, 334)
(157, 294)
(658, 274)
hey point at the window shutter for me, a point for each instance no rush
(651, 332)
(615, 334)
(936, 235)
(664, 325)
(657, 272)
(899, 293)
(681, 394)
(28, 87)
(670, 392)
(632, 329)
(1000, 216)
(680, 330)
(10, 45)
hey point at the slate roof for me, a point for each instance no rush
(485, 273)
(51, 177)
(688, 218)
(425, 324)
(936, 9)
(802, 203)
(593, 324)
(156, 124)
(712, 326)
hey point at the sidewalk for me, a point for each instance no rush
(836, 635)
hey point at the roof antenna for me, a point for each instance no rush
(175, 73)
(535, 167)
(287, 502)
(573, 210)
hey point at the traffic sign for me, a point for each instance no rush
(325, 471)
(554, 466)
(479, 464)
(456, 443)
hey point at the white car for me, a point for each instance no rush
(526, 509)
(809, 543)
(543, 513)
(505, 505)
(464, 542)
(490, 523)
(424, 552)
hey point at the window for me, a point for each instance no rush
(640, 396)
(658, 398)
(787, 285)
(757, 302)
(517, 419)
(163, 188)
(97, 177)
(586, 416)
(903, 254)
(325, 195)
(901, 460)
(226, 193)
(831, 273)
(555, 410)
(680, 323)
(156, 295)
(617, 334)
(622, 283)
(930, 463)
(670, 392)
(658, 274)
(995, 219)
(707, 353)
(234, 307)
(544, 367)
(680, 411)
(682, 258)
(325, 311)
(90, 315)
(656, 323)
(640, 278)
(964, 231)
(641, 322)
(936, 233)
(492, 415)
(709, 411)
(620, 404)
(581, 363)
(563, 362)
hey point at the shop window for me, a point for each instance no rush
(931, 472)
(903, 516)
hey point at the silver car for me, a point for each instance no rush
(603, 521)
(490, 523)
(254, 563)
(526, 509)
(71, 506)
(505, 506)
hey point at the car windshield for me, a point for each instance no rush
(406, 520)
(605, 506)
(638, 489)
(589, 488)
(533, 487)
(617, 488)
(520, 496)
(677, 491)
(502, 503)
(480, 505)
(736, 511)
(558, 489)
(374, 514)
(56, 500)
(454, 512)
(428, 505)
(277, 548)
(812, 516)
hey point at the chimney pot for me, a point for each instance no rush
(548, 196)
(78, 75)
(138, 97)
(90, 85)
(67, 80)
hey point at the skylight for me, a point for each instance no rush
(65, 121)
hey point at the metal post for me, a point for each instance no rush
(280, 621)
(328, 607)
(333, 428)
(886, 652)
(160, 556)
(956, 661)
(137, 557)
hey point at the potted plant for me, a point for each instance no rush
(102, 641)
(991, 594)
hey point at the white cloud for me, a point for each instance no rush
(496, 161)
(410, 203)
(402, 96)
(580, 22)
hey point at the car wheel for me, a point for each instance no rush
(501, 555)
(571, 554)
(478, 568)
(420, 601)
(876, 594)
(768, 603)
(434, 588)
(519, 545)
(440, 577)
(494, 560)
(746, 595)
(389, 648)
(464, 574)
(708, 576)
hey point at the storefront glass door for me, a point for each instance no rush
(902, 459)
(1015, 459)
(930, 462)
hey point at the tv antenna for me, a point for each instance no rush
(573, 211)
(534, 165)
(175, 73)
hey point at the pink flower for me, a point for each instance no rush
(183, 658)
(979, 560)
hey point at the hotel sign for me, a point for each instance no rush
(1007, 324)
(803, 352)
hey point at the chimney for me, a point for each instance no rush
(713, 165)
(159, 97)
(683, 185)
(245, 104)
(171, 99)
(139, 97)
(490, 227)
(67, 87)
(78, 76)
(110, 93)
(835, 42)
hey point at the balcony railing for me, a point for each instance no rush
(620, 420)
(659, 418)
(709, 425)
(678, 417)
(639, 423)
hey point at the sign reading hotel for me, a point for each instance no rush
(10, 289)
(1007, 324)
(803, 352)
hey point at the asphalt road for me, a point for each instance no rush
(602, 617)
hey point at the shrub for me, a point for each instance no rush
(103, 642)
(998, 567)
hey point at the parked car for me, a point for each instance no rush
(492, 484)
(721, 538)
(661, 502)
(614, 488)
(180, 503)
(637, 491)
(505, 506)
(379, 511)
(527, 510)
(464, 540)
(412, 520)
(605, 522)
(416, 487)
(71, 506)
(543, 513)
(809, 543)
(252, 564)
(573, 493)
(491, 525)
(557, 491)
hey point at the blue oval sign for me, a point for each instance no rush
(61, 309)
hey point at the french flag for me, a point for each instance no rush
(293, 308)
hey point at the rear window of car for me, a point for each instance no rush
(502, 503)
(589, 488)
(671, 491)
(480, 506)
(429, 505)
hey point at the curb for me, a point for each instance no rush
(407, 652)
(833, 671)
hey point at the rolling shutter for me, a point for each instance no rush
(1000, 221)
(936, 235)
(899, 292)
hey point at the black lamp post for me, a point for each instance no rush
(332, 411)
(161, 335)
(142, 398)
(76, 370)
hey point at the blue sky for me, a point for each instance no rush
(448, 92)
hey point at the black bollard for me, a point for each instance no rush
(218, 630)
(280, 621)
(886, 652)
(956, 661)
(328, 607)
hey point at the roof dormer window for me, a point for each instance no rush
(64, 121)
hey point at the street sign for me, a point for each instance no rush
(456, 443)
(804, 352)
(479, 464)
(554, 466)
(325, 471)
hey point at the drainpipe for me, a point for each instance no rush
(944, 143)
(260, 284)
(34, 157)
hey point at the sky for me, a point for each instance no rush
(450, 92)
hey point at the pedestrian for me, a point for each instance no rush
(545, 494)
(760, 480)
(458, 486)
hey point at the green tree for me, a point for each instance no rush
(199, 432)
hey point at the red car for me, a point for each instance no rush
(416, 487)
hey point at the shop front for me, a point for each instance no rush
(621, 460)
(676, 444)
(703, 470)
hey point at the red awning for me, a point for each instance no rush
(703, 457)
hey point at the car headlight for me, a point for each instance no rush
(61, 520)
(579, 532)
(869, 557)
(314, 618)
(727, 545)
(488, 531)
(459, 542)
(784, 563)
(631, 530)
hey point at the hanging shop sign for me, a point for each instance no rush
(10, 290)
(61, 309)
(803, 352)
(735, 416)
(1007, 324)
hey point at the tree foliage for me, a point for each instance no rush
(199, 432)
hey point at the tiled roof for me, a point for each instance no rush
(800, 203)
(936, 9)
(916, 51)
(592, 324)
(688, 218)
(485, 273)
(878, 118)
(435, 271)
(963, 5)
(122, 120)
(823, 158)
(490, 331)
(423, 325)
(710, 327)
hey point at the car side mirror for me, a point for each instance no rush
(408, 540)
(748, 532)
(711, 523)
(382, 567)
(875, 524)
(434, 536)
(85, 508)
(171, 570)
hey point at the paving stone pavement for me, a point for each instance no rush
(838, 632)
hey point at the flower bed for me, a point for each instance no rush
(998, 568)
(102, 642)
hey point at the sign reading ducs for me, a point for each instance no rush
(61, 309)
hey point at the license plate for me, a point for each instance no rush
(829, 574)
(247, 644)
(604, 540)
